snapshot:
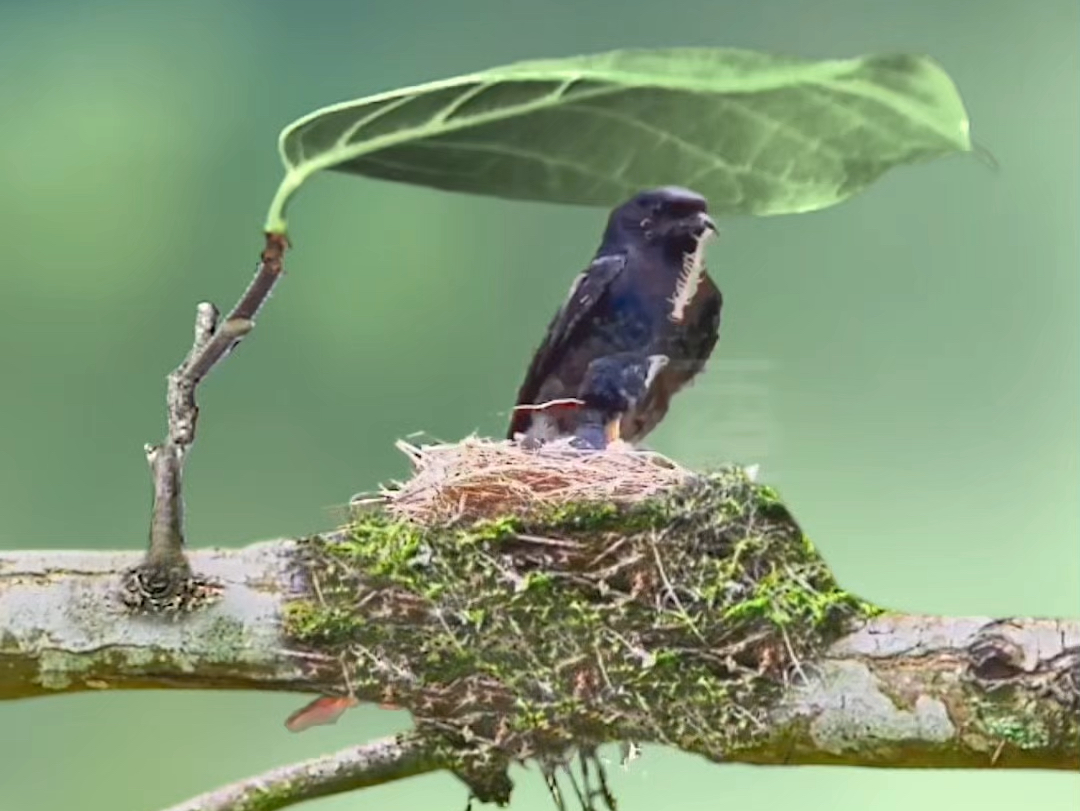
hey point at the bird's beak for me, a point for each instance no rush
(613, 431)
(699, 224)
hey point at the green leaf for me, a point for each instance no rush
(756, 133)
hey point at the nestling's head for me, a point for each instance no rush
(667, 214)
(615, 384)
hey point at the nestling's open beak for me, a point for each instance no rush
(612, 431)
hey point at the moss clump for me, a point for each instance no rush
(326, 626)
(675, 619)
(1020, 716)
(1023, 733)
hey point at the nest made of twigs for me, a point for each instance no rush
(480, 478)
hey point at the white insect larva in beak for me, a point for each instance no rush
(690, 278)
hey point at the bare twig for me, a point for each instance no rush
(372, 764)
(164, 581)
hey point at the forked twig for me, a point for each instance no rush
(164, 580)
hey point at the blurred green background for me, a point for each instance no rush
(904, 366)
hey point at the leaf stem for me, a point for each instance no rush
(275, 217)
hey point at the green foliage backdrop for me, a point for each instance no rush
(904, 365)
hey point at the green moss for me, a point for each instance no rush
(582, 517)
(385, 547)
(266, 798)
(490, 530)
(1023, 733)
(315, 624)
(782, 598)
(679, 613)
(1012, 717)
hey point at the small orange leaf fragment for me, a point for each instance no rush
(320, 712)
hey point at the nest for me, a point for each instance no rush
(481, 479)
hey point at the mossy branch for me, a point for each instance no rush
(701, 619)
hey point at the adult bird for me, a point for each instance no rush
(647, 292)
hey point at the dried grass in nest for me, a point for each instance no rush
(482, 478)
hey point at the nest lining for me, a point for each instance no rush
(478, 478)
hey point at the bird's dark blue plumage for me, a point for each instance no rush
(622, 303)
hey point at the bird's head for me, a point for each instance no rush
(669, 214)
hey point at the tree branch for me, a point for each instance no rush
(64, 628)
(903, 690)
(697, 616)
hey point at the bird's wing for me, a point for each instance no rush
(588, 288)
